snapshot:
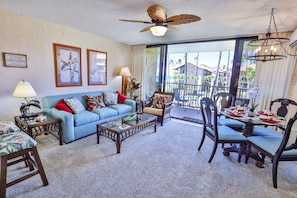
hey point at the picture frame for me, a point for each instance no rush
(14, 60)
(67, 65)
(97, 67)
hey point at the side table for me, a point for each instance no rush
(34, 128)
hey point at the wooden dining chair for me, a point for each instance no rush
(217, 133)
(225, 100)
(282, 105)
(278, 148)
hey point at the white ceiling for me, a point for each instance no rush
(219, 18)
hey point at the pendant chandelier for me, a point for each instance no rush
(269, 48)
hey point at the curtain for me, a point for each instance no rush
(274, 78)
(138, 64)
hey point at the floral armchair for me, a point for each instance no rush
(160, 104)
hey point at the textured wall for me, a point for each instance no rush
(33, 37)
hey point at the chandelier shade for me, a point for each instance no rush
(269, 48)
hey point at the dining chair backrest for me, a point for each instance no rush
(209, 114)
(283, 103)
(224, 100)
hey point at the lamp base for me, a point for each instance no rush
(25, 111)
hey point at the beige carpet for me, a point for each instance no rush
(162, 164)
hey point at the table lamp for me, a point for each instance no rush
(125, 73)
(24, 90)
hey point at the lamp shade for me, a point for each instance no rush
(158, 30)
(23, 90)
(125, 71)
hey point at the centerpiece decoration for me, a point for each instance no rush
(132, 86)
(253, 93)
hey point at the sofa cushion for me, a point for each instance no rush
(75, 105)
(110, 98)
(61, 105)
(85, 117)
(121, 97)
(121, 108)
(94, 102)
(105, 112)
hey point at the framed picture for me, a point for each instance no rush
(97, 67)
(67, 65)
(14, 60)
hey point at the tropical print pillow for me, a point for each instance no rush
(159, 100)
(94, 102)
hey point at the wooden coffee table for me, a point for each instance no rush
(118, 129)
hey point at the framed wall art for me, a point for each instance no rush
(14, 60)
(67, 65)
(97, 67)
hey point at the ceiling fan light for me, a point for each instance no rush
(158, 30)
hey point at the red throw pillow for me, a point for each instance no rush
(61, 105)
(121, 97)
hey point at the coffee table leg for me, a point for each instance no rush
(118, 145)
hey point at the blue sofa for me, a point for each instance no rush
(76, 126)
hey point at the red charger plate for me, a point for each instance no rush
(235, 115)
(269, 120)
(262, 113)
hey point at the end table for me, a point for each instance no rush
(29, 125)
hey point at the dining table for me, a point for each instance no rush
(263, 118)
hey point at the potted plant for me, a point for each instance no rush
(253, 93)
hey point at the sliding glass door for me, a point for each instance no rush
(200, 69)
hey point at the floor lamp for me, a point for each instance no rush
(125, 73)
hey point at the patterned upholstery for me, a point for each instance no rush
(15, 141)
(8, 127)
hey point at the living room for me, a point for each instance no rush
(35, 38)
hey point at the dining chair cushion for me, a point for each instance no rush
(15, 141)
(271, 144)
(227, 133)
(264, 131)
(230, 122)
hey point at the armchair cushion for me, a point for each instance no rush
(159, 100)
(153, 111)
(15, 141)
(8, 127)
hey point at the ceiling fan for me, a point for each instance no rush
(161, 21)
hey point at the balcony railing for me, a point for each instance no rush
(193, 93)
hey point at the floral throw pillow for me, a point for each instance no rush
(159, 100)
(8, 127)
(75, 105)
(110, 98)
(94, 102)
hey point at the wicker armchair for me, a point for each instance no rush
(160, 104)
